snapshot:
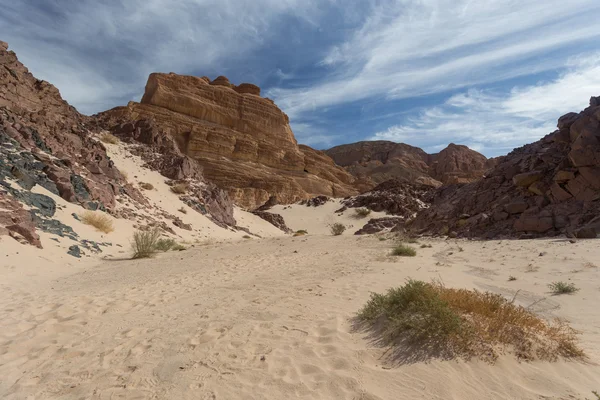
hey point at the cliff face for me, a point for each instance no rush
(378, 161)
(243, 141)
(548, 187)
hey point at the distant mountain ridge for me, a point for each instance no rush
(374, 162)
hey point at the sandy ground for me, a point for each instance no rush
(270, 319)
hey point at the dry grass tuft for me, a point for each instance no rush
(98, 220)
(362, 212)
(403, 250)
(465, 323)
(144, 244)
(337, 229)
(180, 188)
(109, 138)
(146, 186)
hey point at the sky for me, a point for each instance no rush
(490, 74)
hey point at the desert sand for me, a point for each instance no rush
(271, 318)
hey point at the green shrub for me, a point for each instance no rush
(337, 229)
(404, 251)
(301, 232)
(361, 212)
(562, 287)
(164, 244)
(144, 243)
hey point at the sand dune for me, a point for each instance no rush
(270, 319)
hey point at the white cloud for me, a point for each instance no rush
(496, 123)
(411, 48)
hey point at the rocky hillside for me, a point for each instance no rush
(243, 141)
(374, 162)
(549, 187)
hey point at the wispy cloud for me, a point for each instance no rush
(495, 123)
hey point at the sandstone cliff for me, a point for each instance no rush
(375, 162)
(243, 141)
(548, 187)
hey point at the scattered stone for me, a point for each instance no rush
(75, 251)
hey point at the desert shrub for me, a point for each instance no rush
(247, 237)
(146, 186)
(164, 244)
(301, 232)
(562, 287)
(98, 220)
(464, 323)
(361, 212)
(179, 188)
(381, 238)
(178, 247)
(182, 210)
(404, 251)
(412, 240)
(109, 138)
(512, 278)
(144, 243)
(426, 246)
(337, 229)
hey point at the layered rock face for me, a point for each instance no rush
(243, 141)
(374, 162)
(548, 187)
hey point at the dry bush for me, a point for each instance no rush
(562, 288)
(362, 212)
(337, 229)
(180, 188)
(246, 237)
(178, 247)
(426, 246)
(144, 243)
(109, 138)
(98, 220)
(404, 251)
(301, 232)
(466, 323)
(164, 244)
(146, 186)
(412, 240)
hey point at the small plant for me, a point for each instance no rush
(98, 220)
(381, 238)
(562, 287)
(109, 138)
(460, 249)
(178, 247)
(301, 232)
(247, 237)
(412, 240)
(179, 188)
(182, 210)
(337, 229)
(426, 246)
(362, 212)
(144, 243)
(146, 186)
(164, 244)
(403, 250)
(512, 278)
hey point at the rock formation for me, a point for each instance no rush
(243, 141)
(374, 162)
(546, 188)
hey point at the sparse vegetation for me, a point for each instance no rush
(301, 232)
(404, 251)
(182, 210)
(164, 244)
(109, 138)
(412, 240)
(460, 249)
(337, 229)
(144, 243)
(426, 246)
(98, 220)
(381, 238)
(562, 287)
(180, 188)
(247, 237)
(178, 247)
(146, 186)
(512, 278)
(362, 212)
(438, 321)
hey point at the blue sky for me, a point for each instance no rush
(491, 74)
